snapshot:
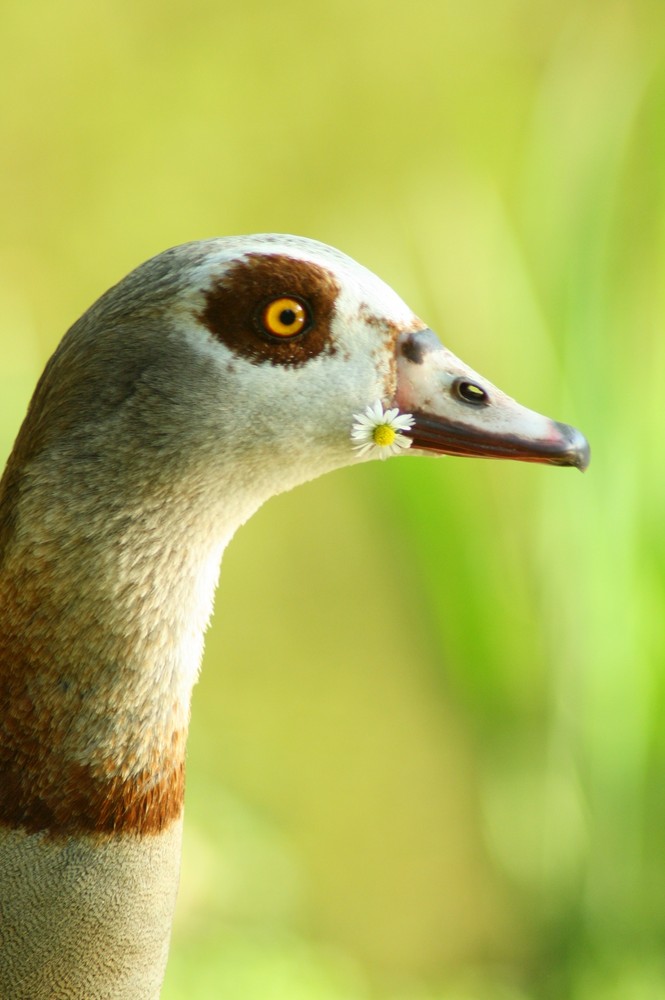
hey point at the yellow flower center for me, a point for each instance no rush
(383, 435)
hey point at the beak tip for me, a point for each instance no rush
(578, 451)
(584, 458)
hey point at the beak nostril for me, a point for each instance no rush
(470, 392)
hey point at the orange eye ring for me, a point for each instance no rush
(285, 317)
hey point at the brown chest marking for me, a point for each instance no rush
(50, 780)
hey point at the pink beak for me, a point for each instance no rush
(457, 412)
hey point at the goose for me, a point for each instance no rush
(215, 375)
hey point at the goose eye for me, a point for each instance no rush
(470, 392)
(285, 317)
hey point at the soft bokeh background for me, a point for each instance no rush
(427, 757)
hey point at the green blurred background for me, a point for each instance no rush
(428, 746)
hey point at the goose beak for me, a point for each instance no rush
(457, 412)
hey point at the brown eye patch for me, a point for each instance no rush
(235, 308)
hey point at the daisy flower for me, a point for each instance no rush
(379, 433)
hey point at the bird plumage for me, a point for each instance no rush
(169, 412)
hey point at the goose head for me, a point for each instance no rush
(308, 339)
(241, 365)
